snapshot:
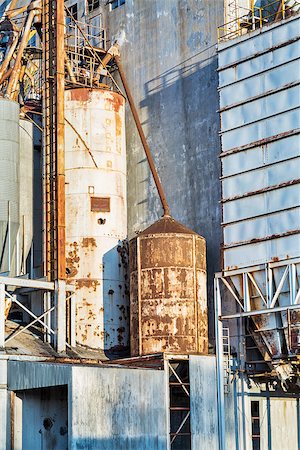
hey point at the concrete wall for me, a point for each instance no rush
(169, 58)
(115, 408)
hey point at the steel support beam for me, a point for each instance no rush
(60, 309)
(220, 366)
(2, 315)
(25, 283)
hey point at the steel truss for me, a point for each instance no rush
(266, 293)
(57, 298)
(177, 377)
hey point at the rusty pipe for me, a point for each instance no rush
(6, 75)
(147, 150)
(69, 69)
(113, 52)
(11, 8)
(8, 57)
(16, 12)
(17, 67)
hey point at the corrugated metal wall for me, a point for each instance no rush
(259, 101)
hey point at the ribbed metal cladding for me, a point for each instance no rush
(9, 182)
(26, 189)
(168, 302)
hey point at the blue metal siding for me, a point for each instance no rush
(260, 121)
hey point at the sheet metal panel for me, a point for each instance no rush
(260, 98)
(9, 182)
(203, 397)
(116, 408)
(257, 42)
(259, 84)
(32, 375)
(262, 129)
(259, 64)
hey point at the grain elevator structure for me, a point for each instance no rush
(114, 333)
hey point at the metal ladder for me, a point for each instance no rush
(49, 166)
(53, 145)
(226, 359)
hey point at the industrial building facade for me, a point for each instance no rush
(149, 225)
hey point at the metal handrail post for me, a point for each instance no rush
(60, 313)
(2, 315)
(220, 365)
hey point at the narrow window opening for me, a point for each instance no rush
(179, 389)
(92, 5)
(116, 3)
(255, 425)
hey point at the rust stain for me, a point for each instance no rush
(87, 283)
(72, 260)
(8, 304)
(262, 191)
(118, 125)
(88, 242)
(80, 94)
(114, 102)
(172, 313)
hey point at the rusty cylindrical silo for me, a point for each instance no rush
(168, 290)
(96, 215)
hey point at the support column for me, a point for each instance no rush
(220, 365)
(73, 320)
(2, 315)
(60, 313)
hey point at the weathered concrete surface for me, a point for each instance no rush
(115, 408)
(169, 58)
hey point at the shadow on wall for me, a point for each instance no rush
(116, 300)
(182, 105)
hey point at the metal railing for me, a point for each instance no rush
(55, 324)
(85, 44)
(78, 34)
(249, 19)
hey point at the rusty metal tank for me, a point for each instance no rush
(168, 301)
(96, 215)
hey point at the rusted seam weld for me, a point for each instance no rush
(257, 216)
(257, 240)
(261, 191)
(257, 97)
(254, 169)
(264, 52)
(275, 114)
(260, 142)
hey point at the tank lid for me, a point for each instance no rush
(167, 224)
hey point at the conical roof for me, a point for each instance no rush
(167, 224)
